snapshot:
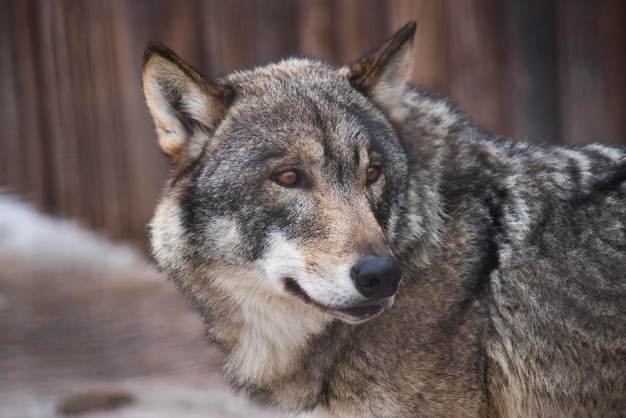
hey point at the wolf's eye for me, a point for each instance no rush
(287, 178)
(372, 173)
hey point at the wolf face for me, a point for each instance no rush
(279, 183)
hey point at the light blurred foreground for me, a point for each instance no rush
(86, 324)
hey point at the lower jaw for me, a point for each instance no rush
(354, 315)
(358, 314)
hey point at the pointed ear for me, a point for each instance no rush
(382, 75)
(186, 106)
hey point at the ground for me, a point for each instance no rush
(88, 328)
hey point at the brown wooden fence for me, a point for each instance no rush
(75, 136)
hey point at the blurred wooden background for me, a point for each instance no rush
(76, 139)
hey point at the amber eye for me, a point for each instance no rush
(287, 178)
(372, 173)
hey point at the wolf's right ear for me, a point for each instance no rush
(186, 106)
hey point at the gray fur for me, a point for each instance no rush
(513, 298)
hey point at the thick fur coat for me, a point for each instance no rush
(286, 177)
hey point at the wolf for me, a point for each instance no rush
(358, 247)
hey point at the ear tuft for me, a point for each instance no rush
(182, 102)
(382, 75)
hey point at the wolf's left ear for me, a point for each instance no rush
(382, 75)
(186, 106)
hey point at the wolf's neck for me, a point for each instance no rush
(272, 335)
(435, 137)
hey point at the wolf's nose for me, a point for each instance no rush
(376, 276)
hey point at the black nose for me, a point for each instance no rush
(376, 276)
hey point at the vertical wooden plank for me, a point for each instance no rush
(29, 165)
(359, 25)
(430, 51)
(276, 33)
(229, 34)
(533, 53)
(72, 112)
(61, 130)
(11, 156)
(105, 128)
(315, 29)
(214, 38)
(81, 168)
(592, 53)
(478, 62)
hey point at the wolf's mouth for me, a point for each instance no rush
(353, 315)
(362, 311)
(294, 288)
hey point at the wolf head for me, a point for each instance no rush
(287, 181)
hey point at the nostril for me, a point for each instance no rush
(372, 283)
